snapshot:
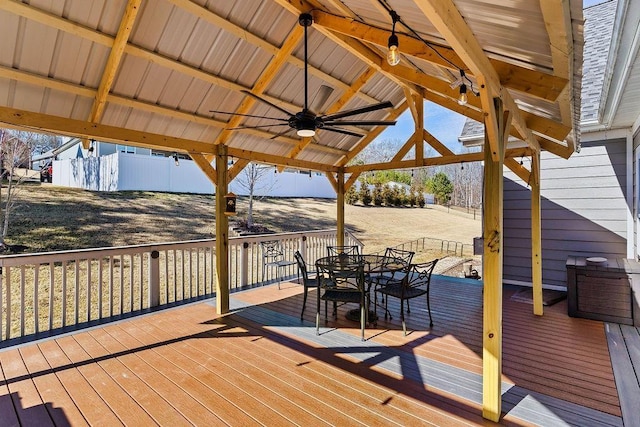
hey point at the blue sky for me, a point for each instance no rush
(440, 122)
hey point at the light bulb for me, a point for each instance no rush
(393, 56)
(306, 132)
(462, 100)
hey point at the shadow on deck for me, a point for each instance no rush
(262, 364)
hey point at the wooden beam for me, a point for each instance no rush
(444, 15)
(210, 16)
(535, 83)
(406, 147)
(222, 233)
(83, 129)
(48, 82)
(205, 166)
(492, 269)
(557, 20)
(340, 209)
(362, 144)
(418, 101)
(267, 75)
(273, 159)
(113, 61)
(434, 142)
(536, 236)
(237, 167)
(332, 181)
(352, 180)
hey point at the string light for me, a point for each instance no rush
(393, 55)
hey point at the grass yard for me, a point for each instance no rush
(50, 218)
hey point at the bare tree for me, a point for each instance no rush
(15, 152)
(253, 180)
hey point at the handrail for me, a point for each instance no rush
(445, 246)
(51, 291)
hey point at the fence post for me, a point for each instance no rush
(244, 265)
(154, 279)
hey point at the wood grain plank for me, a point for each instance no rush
(30, 408)
(51, 389)
(87, 400)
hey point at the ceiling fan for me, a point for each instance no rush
(307, 122)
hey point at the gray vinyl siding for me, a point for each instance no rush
(583, 211)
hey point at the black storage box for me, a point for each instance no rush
(608, 290)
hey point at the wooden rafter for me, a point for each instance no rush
(243, 34)
(205, 166)
(561, 42)
(444, 15)
(23, 76)
(337, 106)
(263, 81)
(113, 61)
(512, 76)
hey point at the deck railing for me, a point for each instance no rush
(53, 291)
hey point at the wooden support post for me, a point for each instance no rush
(222, 233)
(536, 235)
(340, 208)
(492, 268)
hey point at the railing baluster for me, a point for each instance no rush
(36, 306)
(23, 302)
(100, 260)
(141, 290)
(121, 283)
(166, 277)
(89, 265)
(77, 291)
(2, 282)
(130, 283)
(110, 286)
(64, 293)
(8, 300)
(51, 293)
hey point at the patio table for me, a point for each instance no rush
(374, 265)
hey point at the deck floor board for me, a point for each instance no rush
(262, 365)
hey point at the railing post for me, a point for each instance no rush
(303, 247)
(154, 279)
(244, 266)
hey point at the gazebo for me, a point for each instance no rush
(204, 78)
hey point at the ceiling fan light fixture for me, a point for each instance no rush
(306, 133)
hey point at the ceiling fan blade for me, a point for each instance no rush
(361, 110)
(281, 133)
(321, 98)
(259, 126)
(360, 123)
(246, 92)
(249, 115)
(342, 131)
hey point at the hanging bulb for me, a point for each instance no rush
(462, 166)
(175, 159)
(521, 162)
(393, 56)
(462, 100)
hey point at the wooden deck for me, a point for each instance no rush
(262, 365)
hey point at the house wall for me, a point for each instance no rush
(136, 172)
(584, 211)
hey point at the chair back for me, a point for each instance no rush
(419, 275)
(302, 266)
(405, 256)
(272, 251)
(348, 278)
(343, 250)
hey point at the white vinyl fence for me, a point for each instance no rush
(54, 291)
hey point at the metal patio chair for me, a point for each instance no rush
(273, 257)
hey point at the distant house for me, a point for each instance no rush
(112, 167)
(589, 202)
